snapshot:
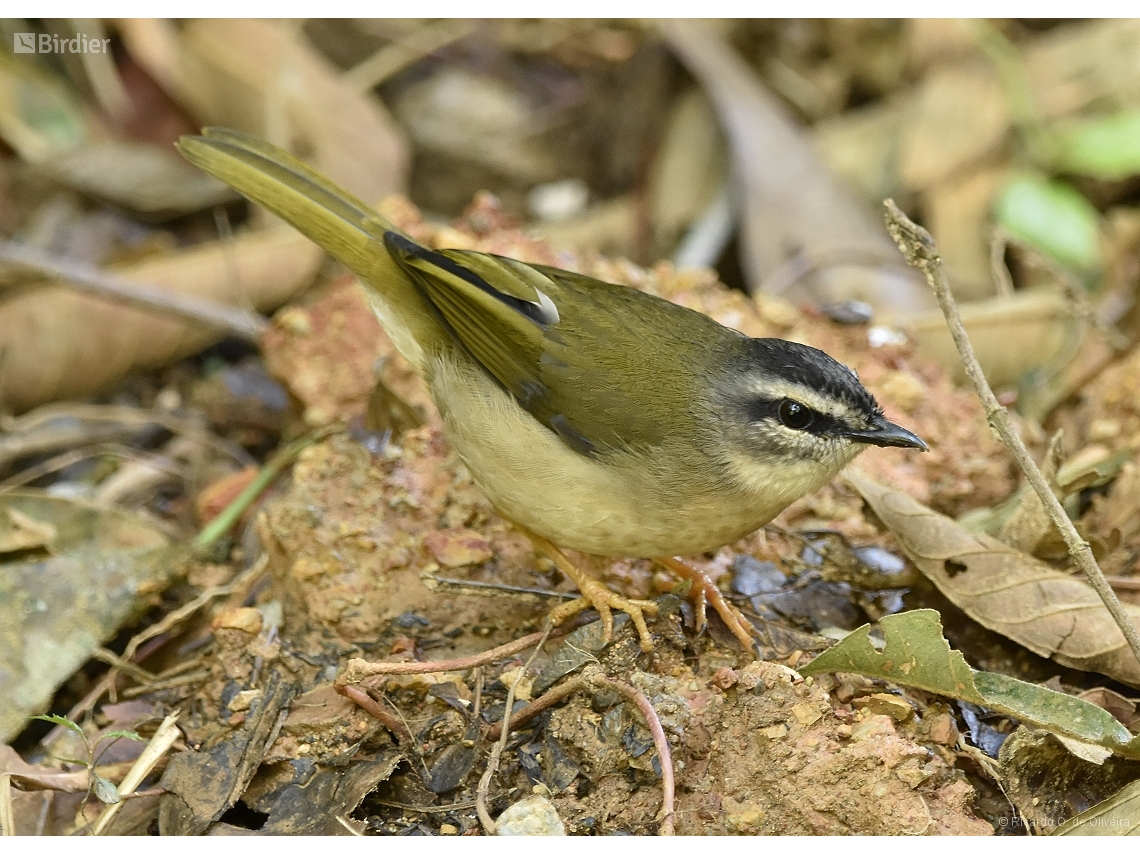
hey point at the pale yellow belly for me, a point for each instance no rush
(534, 480)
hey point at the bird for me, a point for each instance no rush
(593, 416)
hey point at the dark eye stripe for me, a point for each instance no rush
(760, 409)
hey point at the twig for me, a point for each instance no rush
(507, 589)
(920, 251)
(86, 277)
(371, 706)
(538, 705)
(162, 741)
(358, 669)
(498, 748)
(485, 785)
(597, 678)
(222, 522)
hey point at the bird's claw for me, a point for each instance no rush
(598, 596)
(705, 592)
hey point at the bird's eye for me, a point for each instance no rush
(795, 415)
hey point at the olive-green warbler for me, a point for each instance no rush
(592, 415)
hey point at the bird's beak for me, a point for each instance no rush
(886, 433)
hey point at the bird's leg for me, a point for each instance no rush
(595, 594)
(705, 590)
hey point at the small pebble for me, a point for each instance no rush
(533, 816)
(849, 312)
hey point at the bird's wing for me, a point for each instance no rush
(578, 354)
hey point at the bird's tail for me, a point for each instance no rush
(331, 217)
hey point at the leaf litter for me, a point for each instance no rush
(355, 541)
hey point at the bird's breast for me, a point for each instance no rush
(629, 505)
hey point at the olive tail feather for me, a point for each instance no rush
(328, 215)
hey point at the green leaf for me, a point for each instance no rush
(104, 790)
(1054, 218)
(63, 721)
(122, 734)
(1107, 147)
(916, 654)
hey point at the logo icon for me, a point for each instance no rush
(24, 43)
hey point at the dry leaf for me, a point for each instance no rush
(790, 198)
(20, 532)
(961, 116)
(689, 168)
(1011, 335)
(959, 214)
(56, 611)
(151, 181)
(1075, 66)
(59, 343)
(262, 76)
(1049, 612)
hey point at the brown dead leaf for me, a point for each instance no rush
(689, 169)
(262, 76)
(152, 181)
(790, 198)
(961, 116)
(19, 532)
(1011, 335)
(960, 216)
(1123, 709)
(1074, 66)
(1049, 612)
(60, 343)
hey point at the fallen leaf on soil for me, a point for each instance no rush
(312, 805)
(1049, 785)
(201, 785)
(60, 343)
(56, 611)
(153, 181)
(1012, 335)
(1051, 613)
(1117, 816)
(788, 192)
(19, 532)
(264, 77)
(916, 654)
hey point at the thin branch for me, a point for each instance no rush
(358, 669)
(162, 741)
(538, 705)
(373, 707)
(920, 251)
(485, 782)
(86, 277)
(600, 680)
(500, 746)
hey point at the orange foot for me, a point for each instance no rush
(705, 591)
(596, 595)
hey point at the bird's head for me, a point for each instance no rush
(792, 417)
